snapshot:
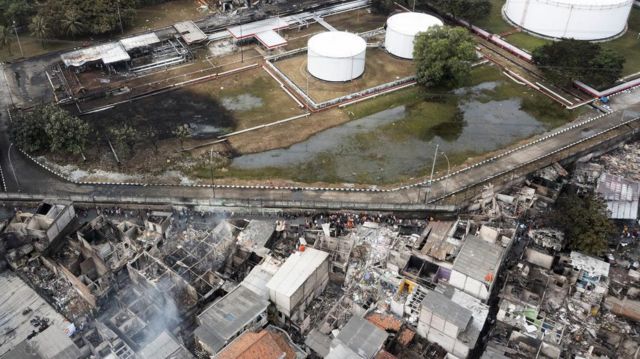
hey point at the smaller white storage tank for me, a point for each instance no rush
(336, 56)
(402, 30)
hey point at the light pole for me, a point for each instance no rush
(18, 38)
(433, 167)
(446, 180)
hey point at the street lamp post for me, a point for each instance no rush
(446, 181)
(433, 167)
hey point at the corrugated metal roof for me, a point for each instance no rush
(362, 337)
(131, 43)
(263, 31)
(107, 53)
(478, 258)
(224, 318)
(271, 39)
(620, 194)
(190, 32)
(256, 27)
(16, 298)
(295, 270)
(164, 346)
(445, 308)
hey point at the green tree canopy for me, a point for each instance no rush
(384, 7)
(443, 56)
(584, 221)
(70, 18)
(66, 133)
(15, 10)
(125, 137)
(52, 128)
(28, 133)
(568, 60)
(470, 10)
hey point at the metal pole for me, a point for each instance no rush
(433, 167)
(119, 18)
(241, 47)
(213, 184)
(18, 38)
(446, 181)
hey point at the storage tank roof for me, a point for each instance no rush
(337, 44)
(411, 23)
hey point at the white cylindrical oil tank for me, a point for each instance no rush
(402, 29)
(336, 56)
(571, 19)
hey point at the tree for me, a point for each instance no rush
(181, 132)
(27, 131)
(152, 135)
(66, 133)
(606, 68)
(568, 60)
(383, 7)
(584, 221)
(125, 137)
(70, 18)
(71, 23)
(5, 38)
(38, 28)
(470, 10)
(443, 56)
(15, 10)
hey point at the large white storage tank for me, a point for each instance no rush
(336, 56)
(402, 29)
(575, 19)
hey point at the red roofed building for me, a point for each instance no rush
(266, 344)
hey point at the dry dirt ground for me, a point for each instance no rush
(380, 68)
(356, 21)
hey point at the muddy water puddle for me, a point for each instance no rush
(394, 144)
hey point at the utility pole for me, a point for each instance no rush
(119, 17)
(213, 184)
(18, 38)
(433, 167)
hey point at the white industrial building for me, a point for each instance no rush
(402, 29)
(336, 56)
(575, 19)
(301, 278)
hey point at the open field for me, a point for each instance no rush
(380, 68)
(356, 21)
(147, 18)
